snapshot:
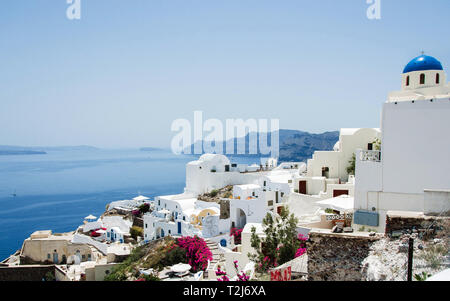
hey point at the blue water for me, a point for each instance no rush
(57, 190)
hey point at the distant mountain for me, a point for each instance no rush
(294, 145)
(152, 149)
(20, 152)
(32, 150)
(300, 146)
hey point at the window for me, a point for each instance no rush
(407, 80)
(370, 146)
(437, 78)
(325, 172)
(422, 79)
(48, 256)
(170, 232)
(270, 203)
(159, 202)
(264, 183)
(145, 225)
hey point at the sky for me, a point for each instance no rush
(121, 74)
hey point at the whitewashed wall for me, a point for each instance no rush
(415, 146)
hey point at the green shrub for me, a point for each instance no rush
(422, 276)
(351, 167)
(174, 256)
(136, 231)
(214, 193)
(150, 277)
(228, 195)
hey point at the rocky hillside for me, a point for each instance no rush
(294, 145)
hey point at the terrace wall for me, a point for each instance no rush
(337, 257)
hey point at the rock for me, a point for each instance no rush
(403, 248)
(348, 229)
(372, 234)
(437, 240)
(397, 233)
(420, 247)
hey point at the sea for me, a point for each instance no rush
(55, 191)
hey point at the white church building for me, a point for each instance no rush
(410, 172)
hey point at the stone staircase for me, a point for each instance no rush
(218, 257)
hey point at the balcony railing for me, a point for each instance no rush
(370, 155)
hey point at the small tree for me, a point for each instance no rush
(377, 144)
(351, 167)
(144, 208)
(280, 244)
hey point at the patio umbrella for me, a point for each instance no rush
(340, 203)
(180, 268)
(90, 217)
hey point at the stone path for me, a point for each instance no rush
(218, 256)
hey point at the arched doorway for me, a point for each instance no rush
(241, 218)
(159, 233)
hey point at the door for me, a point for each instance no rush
(302, 187)
(55, 257)
(337, 192)
(179, 227)
(279, 209)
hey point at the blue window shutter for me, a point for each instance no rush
(367, 218)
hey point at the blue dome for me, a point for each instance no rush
(422, 63)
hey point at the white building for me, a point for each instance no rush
(214, 171)
(333, 164)
(326, 175)
(410, 172)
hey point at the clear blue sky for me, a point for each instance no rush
(119, 76)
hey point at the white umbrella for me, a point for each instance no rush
(101, 231)
(90, 217)
(340, 203)
(180, 268)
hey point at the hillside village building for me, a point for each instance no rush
(410, 171)
(257, 190)
(326, 175)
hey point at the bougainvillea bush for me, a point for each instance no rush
(302, 247)
(237, 234)
(224, 277)
(195, 250)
